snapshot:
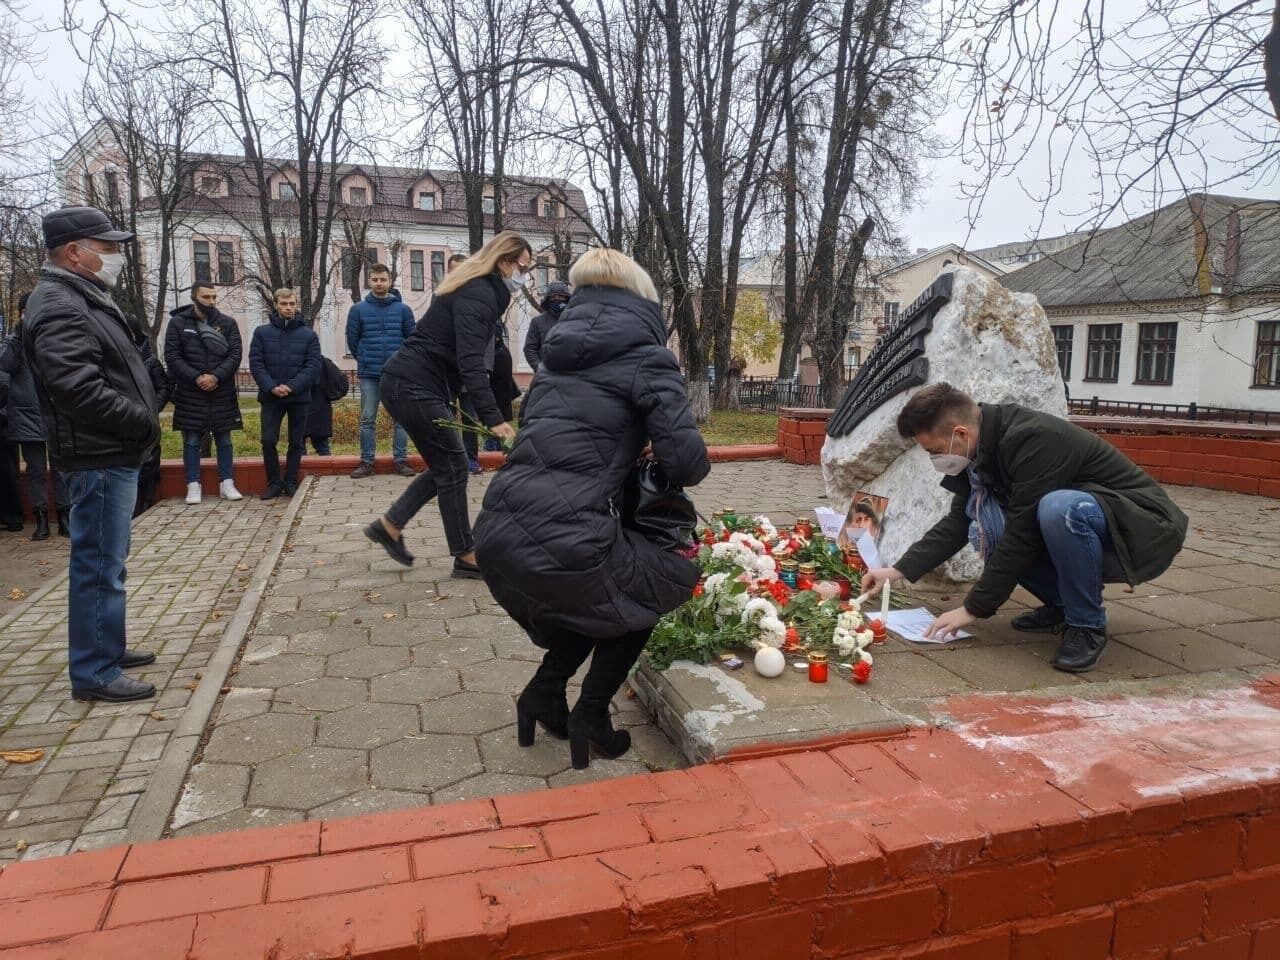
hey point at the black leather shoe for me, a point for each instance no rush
(1080, 649)
(466, 571)
(137, 658)
(64, 522)
(395, 548)
(273, 490)
(13, 526)
(290, 487)
(120, 690)
(42, 525)
(405, 470)
(1040, 620)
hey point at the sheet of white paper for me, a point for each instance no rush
(868, 550)
(829, 520)
(911, 625)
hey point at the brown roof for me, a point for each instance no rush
(1200, 244)
(392, 201)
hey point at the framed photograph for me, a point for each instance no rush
(863, 526)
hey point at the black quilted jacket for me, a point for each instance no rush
(548, 538)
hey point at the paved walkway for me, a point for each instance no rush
(188, 571)
(362, 686)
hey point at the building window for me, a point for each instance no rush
(437, 267)
(543, 272)
(358, 196)
(88, 188)
(417, 271)
(202, 261)
(351, 269)
(890, 316)
(1157, 344)
(1266, 365)
(210, 186)
(1103, 362)
(113, 187)
(427, 201)
(287, 191)
(488, 203)
(226, 263)
(1062, 338)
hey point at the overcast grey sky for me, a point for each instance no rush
(940, 215)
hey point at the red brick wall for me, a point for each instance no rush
(1218, 463)
(801, 433)
(971, 842)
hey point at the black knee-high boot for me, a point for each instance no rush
(589, 726)
(543, 699)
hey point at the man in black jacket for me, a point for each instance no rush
(99, 409)
(1047, 505)
(553, 303)
(285, 360)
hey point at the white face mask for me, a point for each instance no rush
(952, 464)
(109, 272)
(517, 280)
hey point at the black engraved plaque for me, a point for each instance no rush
(897, 363)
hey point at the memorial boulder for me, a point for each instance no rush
(969, 331)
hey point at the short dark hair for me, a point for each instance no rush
(866, 509)
(201, 285)
(457, 258)
(937, 404)
(379, 268)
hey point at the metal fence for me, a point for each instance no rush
(1094, 407)
(768, 394)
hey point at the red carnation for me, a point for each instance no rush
(861, 672)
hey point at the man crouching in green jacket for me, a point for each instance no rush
(1047, 505)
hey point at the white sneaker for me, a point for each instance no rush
(193, 493)
(228, 490)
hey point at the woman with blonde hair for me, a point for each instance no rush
(549, 539)
(421, 382)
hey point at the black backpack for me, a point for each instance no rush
(333, 382)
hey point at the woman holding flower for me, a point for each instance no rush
(549, 538)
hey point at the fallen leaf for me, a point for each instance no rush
(371, 595)
(190, 686)
(388, 616)
(319, 563)
(357, 620)
(156, 715)
(22, 756)
(216, 615)
(72, 726)
(20, 845)
(17, 593)
(199, 676)
(242, 566)
(631, 693)
(225, 690)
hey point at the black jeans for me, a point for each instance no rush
(323, 447)
(416, 408)
(10, 491)
(36, 456)
(272, 416)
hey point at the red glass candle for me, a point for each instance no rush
(878, 633)
(817, 668)
(805, 529)
(806, 576)
(846, 587)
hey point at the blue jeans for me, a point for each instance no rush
(101, 511)
(1080, 558)
(191, 454)
(369, 395)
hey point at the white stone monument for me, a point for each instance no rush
(985, 340)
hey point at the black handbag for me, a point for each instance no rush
(658, 509)
(333, 382)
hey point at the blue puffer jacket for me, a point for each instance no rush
(285, 351)
(376, 326)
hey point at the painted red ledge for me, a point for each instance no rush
(1027, 828)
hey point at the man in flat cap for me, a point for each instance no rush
(98, 404)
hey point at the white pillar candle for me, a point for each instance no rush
(884, 604)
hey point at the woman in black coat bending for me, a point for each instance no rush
(421, 383)
(550, 543)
